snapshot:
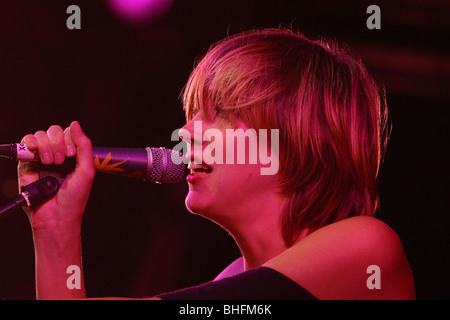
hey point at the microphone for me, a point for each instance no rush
(158, 165)
(34, 193)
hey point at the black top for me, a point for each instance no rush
(256, 284)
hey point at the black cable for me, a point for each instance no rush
(34, 193)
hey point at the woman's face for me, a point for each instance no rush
(220, 188)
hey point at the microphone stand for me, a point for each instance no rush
(34, 193)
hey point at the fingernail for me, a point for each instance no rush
(46, 158)
(59, 157)
(70, 150)
(31, 144)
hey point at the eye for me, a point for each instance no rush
(195, 111)
(219, 112)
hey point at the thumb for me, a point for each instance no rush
(85, 155)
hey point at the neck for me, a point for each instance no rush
(257, 249)
(258, 235)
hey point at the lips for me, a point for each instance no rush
(198, 171)
(199, 168)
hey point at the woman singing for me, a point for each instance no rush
(306, 231)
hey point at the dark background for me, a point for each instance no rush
(122, 82)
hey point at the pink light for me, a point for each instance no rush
(139, 11)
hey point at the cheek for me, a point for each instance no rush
(236, 182)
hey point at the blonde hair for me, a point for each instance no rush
(331, 115)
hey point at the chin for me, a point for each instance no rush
(206, 207)
(195, 203)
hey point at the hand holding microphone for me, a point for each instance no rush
(52, 147)
(63, 212)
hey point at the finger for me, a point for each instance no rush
(70, 147)
(44, 148)
(30, 141)
(83, 145)
(27, 172)
(56, 139)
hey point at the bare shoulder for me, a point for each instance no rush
(355, 258)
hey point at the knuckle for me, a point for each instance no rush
(40, 133)
(88, 141)
(54, 129)
(27, 138)
(85, 141)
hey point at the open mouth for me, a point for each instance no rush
(199, 168)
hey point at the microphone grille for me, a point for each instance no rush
(167, 166)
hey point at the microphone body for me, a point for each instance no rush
(158, 165)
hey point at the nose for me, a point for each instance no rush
(189, 133)
(192, 133)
